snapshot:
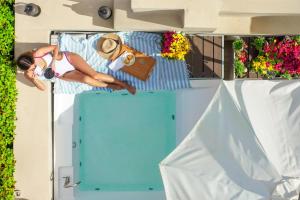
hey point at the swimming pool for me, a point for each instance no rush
(190, 104)
(119, 139)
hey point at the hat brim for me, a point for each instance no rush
(116, 52)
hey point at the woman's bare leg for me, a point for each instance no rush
(78, 76)
(81, 65)
(109, 79)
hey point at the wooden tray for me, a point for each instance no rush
(143, 66)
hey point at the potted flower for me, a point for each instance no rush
(174, 45)
(240, 57)
(278, 57)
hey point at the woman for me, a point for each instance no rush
(67, 66)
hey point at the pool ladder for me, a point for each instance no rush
(68, 184)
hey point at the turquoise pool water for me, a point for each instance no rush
(119, 139)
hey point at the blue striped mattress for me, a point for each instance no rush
(167, 74)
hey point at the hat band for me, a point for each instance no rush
(116, 41)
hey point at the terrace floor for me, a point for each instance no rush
(204, 62)
(205, 58)
(33, 145)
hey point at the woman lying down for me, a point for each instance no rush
(67, 66)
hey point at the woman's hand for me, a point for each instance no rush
(32, 77)
(30, 74)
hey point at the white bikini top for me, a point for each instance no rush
(61, 66)
(39, 70)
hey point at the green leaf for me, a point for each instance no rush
(8, 96)
(259, 43)
(237, 45)
(239, 68)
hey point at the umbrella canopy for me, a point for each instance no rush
(243, 147)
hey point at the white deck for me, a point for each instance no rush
(190, 105)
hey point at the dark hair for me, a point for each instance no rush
(25, 60)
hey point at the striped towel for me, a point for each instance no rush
(166, 75)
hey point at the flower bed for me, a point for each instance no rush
(174, 45)
(7, 100)
(272, 57)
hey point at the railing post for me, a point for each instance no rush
(228, 58)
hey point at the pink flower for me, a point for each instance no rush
(267, 48)
(288, 54)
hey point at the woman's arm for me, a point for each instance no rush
(55, 51)
(54, 56)
(31, 77)
(44, 50)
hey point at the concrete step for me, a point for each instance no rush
(126, 20)
(203, 17)
(196, 14)
(260, 8)
(156, 5)
(194, 17)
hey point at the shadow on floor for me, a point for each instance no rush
(172, 18)
(21, 47)
(167, 18)
(205, 58)
(19, 8)
(21, 78)
(275, 25)
(90, 8)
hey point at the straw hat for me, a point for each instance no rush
(109, 46)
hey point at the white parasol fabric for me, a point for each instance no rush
(246, 146)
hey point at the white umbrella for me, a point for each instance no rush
(229, 155)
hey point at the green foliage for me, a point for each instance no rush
(258, 43)
(8, 2)
(297, 38)
(239, 68)
(286, 75)
(7, 29)
(238, 44)
(8, 95)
